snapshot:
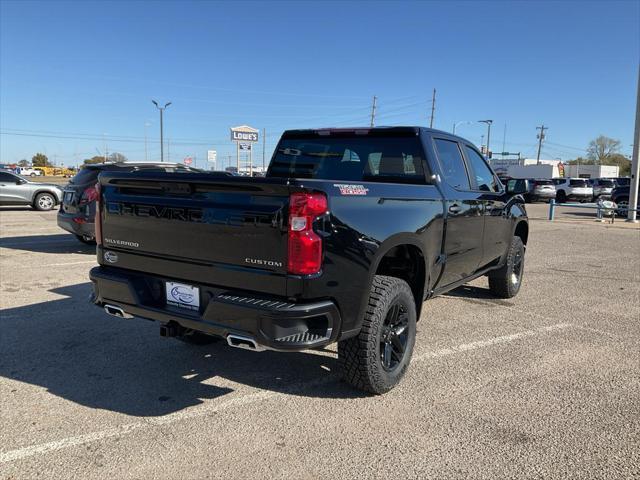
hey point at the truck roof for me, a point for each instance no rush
(373, 131)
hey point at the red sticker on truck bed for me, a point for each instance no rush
(351, 189)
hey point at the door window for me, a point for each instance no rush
(485, 180)
(452, 164)
(7, 177)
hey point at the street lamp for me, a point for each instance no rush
(459, 123)
(488, 122)
(161, 132)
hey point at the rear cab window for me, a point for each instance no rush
(350, 157)
(578, 183)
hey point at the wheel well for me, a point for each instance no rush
(38, 192)
(522, 231)
(406, 262)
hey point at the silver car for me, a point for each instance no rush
(15, 190)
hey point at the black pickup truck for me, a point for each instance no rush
(342, 241)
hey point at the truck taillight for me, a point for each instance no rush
(305, 245)
(98, 218)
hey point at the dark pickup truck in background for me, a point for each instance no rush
(348, 234)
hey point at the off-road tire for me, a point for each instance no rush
(506, 281)
(361, 357)
(44, 202)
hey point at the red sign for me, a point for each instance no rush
(187, 160)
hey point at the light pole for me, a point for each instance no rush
(488, 122)
(162, 109)
(455, 125)
(146, 156)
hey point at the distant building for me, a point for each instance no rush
(592, 171)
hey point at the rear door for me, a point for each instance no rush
(463, 211)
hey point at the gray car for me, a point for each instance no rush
(15, 190)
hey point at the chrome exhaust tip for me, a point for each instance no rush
(116, 311)
(246, 343)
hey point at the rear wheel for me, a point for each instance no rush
(623, 207)
(44, 202)
(377, 358)
(561, 197)
(505, 282)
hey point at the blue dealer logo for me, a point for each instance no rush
(182, 295)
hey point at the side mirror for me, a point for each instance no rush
(515, 188)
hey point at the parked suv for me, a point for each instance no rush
(602, 187)
(79, 196)
(620, 196)
(573, 189)
(15, 190)
(535, 189)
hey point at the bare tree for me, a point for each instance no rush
(602, 148)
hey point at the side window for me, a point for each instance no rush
(485, 179)
(7, 177)
(452, 164)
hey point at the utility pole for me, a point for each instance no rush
(162, 109)
(373, 111)
(168, 149)
(264, 146)
(635, 163)
(433, 108)
(542, 128)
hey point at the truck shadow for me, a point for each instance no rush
(57, 243)
(77, 352)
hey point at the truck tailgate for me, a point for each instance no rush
(215, 224)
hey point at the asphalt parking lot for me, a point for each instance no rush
(544, 385)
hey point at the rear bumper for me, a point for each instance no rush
(579, 196)
(66, 222)
(273, 323)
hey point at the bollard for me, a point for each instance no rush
(552, 209)
(599, 212)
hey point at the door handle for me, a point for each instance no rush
(455, 208)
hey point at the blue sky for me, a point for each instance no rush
(73, 75)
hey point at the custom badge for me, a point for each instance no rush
(351, 189)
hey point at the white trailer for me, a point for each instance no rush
(533, 171)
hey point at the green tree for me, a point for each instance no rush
(602, 148)
(23, 163)
(40, 160)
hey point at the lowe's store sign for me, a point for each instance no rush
(244, 134)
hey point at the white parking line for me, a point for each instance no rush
(251, 398)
